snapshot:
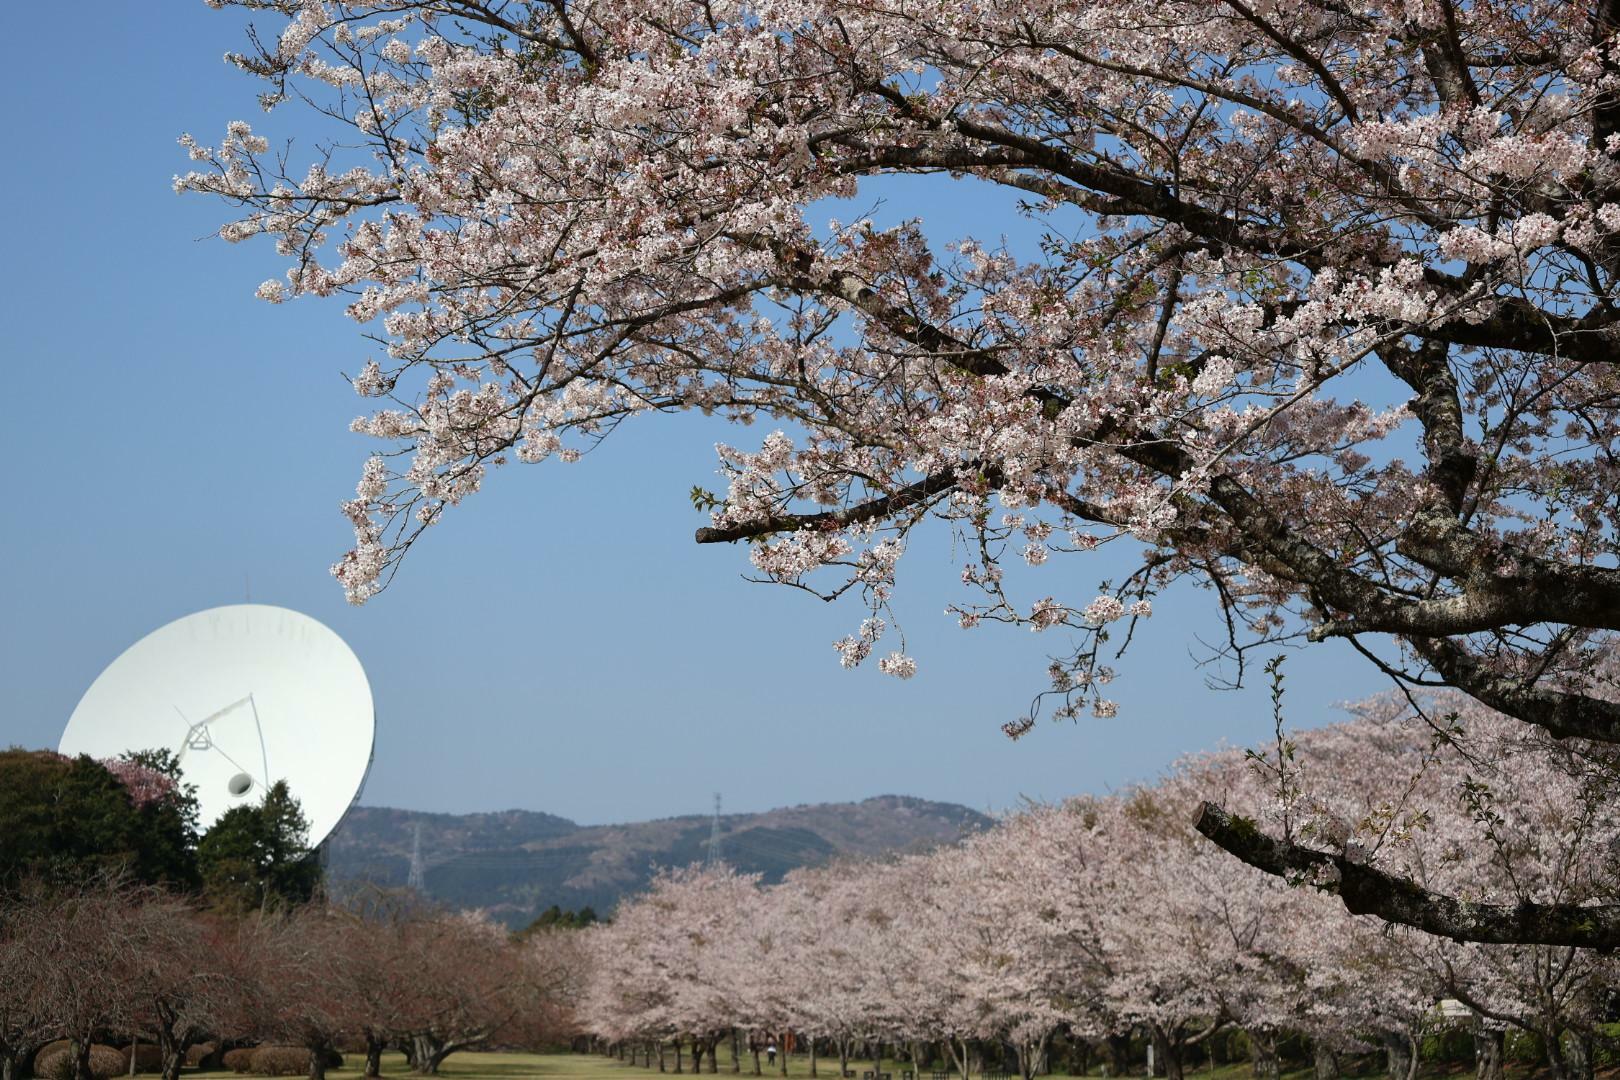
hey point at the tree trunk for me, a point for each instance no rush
(1325, 1062)
(697, 1056)
(736, 1051)
(1263, 1056)
(1397, 1055)
(753, 1048)
(374, 1053)
(812, 1056)
(1119, 1055)
(1167, 1054)
(81, 1059)
(1579, 1055)
(317, 1063)
(677, 1056)
(1026, 1059)
(958, 1049)
(843, 1054)
(431, 1052)
(661, 1067)
(714, 1055)
(782, 1055)
(1490, 1045)
(174, 1059)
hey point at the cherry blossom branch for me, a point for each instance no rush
(1367, 890)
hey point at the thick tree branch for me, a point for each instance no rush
(909, 496)
(1366, 890)
(1563, 714)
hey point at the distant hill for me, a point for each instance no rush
(516, 863)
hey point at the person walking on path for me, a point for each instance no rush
(770, 1053)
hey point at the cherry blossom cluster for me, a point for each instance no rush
(145, 784)
(1323, 314)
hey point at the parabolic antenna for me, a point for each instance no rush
(244, 695)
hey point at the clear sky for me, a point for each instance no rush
(559, 644)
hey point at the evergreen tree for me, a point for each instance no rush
(555, 918)
(259, 856)
(168, 826)
(67, 819)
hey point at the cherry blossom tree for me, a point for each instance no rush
(1324, 318)
(832, 976)
(181, 991)
(298, 1000)
(981, 941)
(1540, 827)
(667, 966)
(27, 1020)
(90, 943)
(468, 984)
(1112, 917)
(378, 972)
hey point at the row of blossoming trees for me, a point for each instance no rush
(1108, 917)
(104, 964)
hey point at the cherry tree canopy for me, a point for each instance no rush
(1110, 916)
(1325, 319)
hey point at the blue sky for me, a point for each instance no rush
(559, 643)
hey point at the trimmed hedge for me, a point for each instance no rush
(46, 1051)
(288, 1061)
(203, 1055)
(105, 1062)
(239, 1060)
(280, 1061)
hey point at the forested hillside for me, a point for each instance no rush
(516, 863)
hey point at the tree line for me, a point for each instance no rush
(105, 963)
(128, 940)
(69, 818)
(1111, 922)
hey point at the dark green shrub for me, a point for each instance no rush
(1525, 1047)
(1448, 1045)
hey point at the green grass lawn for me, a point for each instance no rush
(479, 1065)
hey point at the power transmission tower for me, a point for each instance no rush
(418, 879)
(715, 858)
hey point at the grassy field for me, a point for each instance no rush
(475, 1065)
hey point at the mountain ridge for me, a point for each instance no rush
(515, 863)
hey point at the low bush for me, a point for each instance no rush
(46, 1051)
(239, 1060)
(203, 1055)
(105, 1062)
(280, 1061)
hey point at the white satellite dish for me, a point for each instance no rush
(244, 695)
